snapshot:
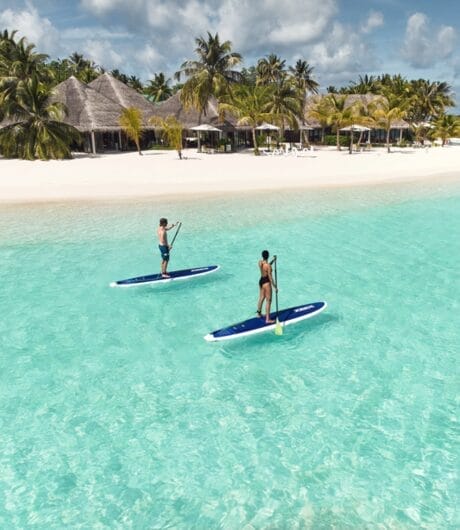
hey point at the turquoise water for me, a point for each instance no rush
(115, 413)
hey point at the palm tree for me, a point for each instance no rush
(135, 82)
(171, 130)
(210, 75)
(366, 85)
(249, 76)
(250, 104)
(446, 126)
(301, 73)
(131, 123)
(285, 104)
(270, 69)
(158, 89)
(340, 114)
(428, 99)
(120, 76)
(17, 58)
(83, 69)
(386, 111)
(319, 111)
(35, 128)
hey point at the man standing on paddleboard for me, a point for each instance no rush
(163, 245)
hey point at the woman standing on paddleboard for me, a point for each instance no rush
(265, 286)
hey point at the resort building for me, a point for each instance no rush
(95, 110)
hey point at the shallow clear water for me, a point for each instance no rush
(115, 413)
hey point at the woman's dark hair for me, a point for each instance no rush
(163, 221)
(265, 254)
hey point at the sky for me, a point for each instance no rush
(341, 39)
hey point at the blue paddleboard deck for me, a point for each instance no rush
(257, 324)
(184, 274)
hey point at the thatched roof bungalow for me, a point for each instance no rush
(87, 110)
(96, 115)
(123, 95)
(190, 117)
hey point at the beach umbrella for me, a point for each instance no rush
(359, 128)
(206, 128)
(267, 127)
(355, 127)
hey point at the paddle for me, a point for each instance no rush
(175, 235)
(278, 326)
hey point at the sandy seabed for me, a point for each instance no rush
(161, 173)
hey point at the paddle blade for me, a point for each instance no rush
(278, 328)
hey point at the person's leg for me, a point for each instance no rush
(164, 263)
(260, 302)
(268, 301)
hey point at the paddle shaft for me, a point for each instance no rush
(276, 283)
(175, 235)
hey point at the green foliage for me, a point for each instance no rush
(131, 123)
(210, 75)
(250, 104)
(158, 89)
(331, 139)
(171, 131)
(36, 129)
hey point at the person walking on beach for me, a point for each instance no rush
(163, 245)
(265, 286)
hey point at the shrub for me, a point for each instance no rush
(331, 139)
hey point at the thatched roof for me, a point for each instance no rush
(123, 95)
(87, 110)
(191, 117)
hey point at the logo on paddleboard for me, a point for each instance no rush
(304, 308)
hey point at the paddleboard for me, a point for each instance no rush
(257, 324)
(184, 274)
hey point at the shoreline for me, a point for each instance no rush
(161, 175)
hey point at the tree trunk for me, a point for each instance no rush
(256, 149)
(338, 138)
(388, 140)
(322, 135)
(138, 145)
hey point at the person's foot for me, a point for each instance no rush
(269, 321)
(165, 275)
(259, 313)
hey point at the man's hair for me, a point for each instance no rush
(265, 254)
(163, 221)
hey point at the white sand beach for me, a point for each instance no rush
(161, 173)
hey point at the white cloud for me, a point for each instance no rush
(85, 33)
(39, 31)
(258, 25)
(424, 46)
(342, 51)
(165, 31)
(374, 20)
(102, 53)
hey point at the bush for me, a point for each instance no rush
(331, 139)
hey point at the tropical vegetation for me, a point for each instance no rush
(171, 131)
(33, 124)
(270, 90)
(131, 123)
(211, 74)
